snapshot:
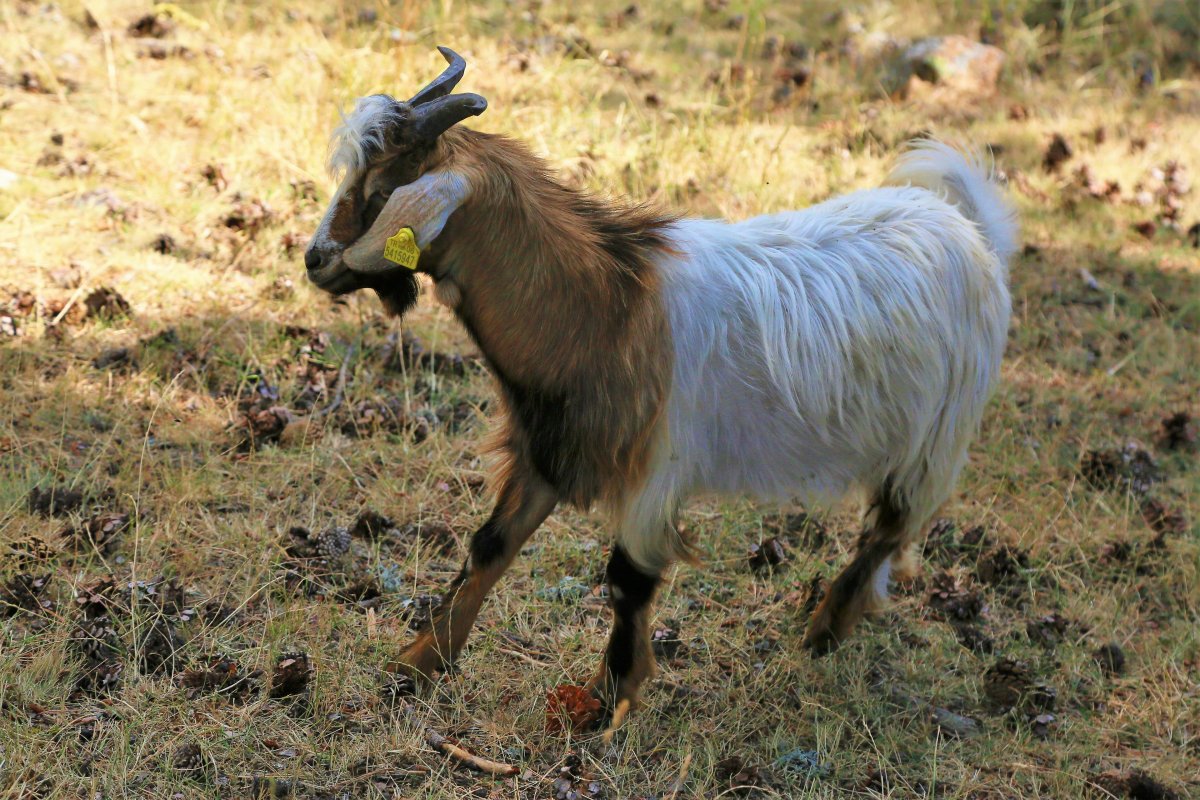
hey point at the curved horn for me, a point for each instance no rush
(432, 119)
(443, 84)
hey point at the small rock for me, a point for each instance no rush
(954, 724)
(568, 588)
(955, 65)
(805, 762)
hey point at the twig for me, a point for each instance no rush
(443, 745)
(485, 765)
(524, 657)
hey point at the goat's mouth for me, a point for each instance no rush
(397, 289)
(335, 278)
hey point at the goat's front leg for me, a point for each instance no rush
(523, 504)
(629, 659)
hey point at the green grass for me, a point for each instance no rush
(162, 439)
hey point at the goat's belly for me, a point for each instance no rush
(749, 445)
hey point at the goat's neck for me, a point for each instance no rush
(545, 278)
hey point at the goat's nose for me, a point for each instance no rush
(312, 259)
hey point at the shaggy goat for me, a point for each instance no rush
(643, 358)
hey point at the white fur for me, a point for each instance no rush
(852, 344)
(362, 131)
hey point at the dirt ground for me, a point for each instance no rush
(226, 499)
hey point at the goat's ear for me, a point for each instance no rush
(423, 205)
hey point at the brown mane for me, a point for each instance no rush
(561, 292)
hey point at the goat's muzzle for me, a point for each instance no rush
(327, 271)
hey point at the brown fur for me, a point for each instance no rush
(520, 509)
(560, 292)
(852, 595)
(346, 226)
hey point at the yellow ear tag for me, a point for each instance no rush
(402, 249)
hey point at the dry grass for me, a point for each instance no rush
(160, 435)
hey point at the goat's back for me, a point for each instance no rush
(851, 342)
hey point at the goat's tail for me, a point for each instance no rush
(967, 184)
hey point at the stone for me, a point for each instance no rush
(948, 68)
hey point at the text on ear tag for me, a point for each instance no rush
(402, 248)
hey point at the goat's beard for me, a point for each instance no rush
(397, 291)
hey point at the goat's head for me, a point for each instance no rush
(386, 152)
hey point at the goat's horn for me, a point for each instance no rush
(443, 84)
(432, 119)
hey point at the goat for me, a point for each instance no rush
(643, 358)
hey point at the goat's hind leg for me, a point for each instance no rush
(523, 504)
(862, 585)
(628, 659)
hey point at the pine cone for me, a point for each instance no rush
(1002, 566)
(159, 648)
(188, 759)
(299, 543)
(96, 640)
(333, 543)
(100, 531)
(292, 675)
(771, 553)
(952, 601)
(31, 552)
(1010, 684)
(23, 592)
(371, 525)
(224, 676)
(1005, 683)
(96, 599)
